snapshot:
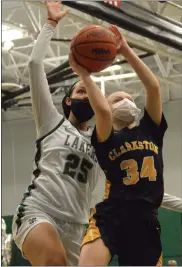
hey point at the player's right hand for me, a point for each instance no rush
(121, 41)
(79, 70)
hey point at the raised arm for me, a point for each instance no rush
(151, 84)
(45, 114)
(97, 100)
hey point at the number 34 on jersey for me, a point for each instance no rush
(133, 175)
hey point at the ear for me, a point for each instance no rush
(68, 101)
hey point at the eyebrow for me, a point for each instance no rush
(81, 88)
(117, 98)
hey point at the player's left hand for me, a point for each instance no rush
(54, 10)
(79, 70)
(121, 41)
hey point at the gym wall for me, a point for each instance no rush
(171, 223)
(18, 139)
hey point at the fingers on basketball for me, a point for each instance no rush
(117, 33)
(115, 30)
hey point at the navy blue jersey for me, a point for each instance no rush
(132, 162)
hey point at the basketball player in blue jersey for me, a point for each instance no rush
(49, 223)
(126, 223)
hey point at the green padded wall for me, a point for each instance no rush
(171, 235)
(171, 223)
(16, 258)
(8, 220)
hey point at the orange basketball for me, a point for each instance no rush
(94, 48)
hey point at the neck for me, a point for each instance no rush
(81, 126)
(118, 125)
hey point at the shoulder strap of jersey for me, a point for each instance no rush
(53, 130)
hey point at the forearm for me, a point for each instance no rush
(96, 98)
(101, 108)
(144, 73)
(153, 103)
(41, 98)
(172, 202)
(43, 41)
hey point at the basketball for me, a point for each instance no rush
(94, 48)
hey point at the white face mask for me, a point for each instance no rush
(126, 111)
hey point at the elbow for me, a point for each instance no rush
(156, 84)
(33, 62)
(154, 88)
(157, 90)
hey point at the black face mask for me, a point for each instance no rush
(81, 109)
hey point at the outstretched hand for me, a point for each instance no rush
(79, 70)
(121, 41)
(54, 10)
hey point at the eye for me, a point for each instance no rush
(117, 100)
(81, 91)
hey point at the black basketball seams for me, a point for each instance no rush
(94, 42)
(92, 58)
(84, 32)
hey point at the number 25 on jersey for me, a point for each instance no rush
(76, 167)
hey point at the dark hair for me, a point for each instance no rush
(66, 108)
